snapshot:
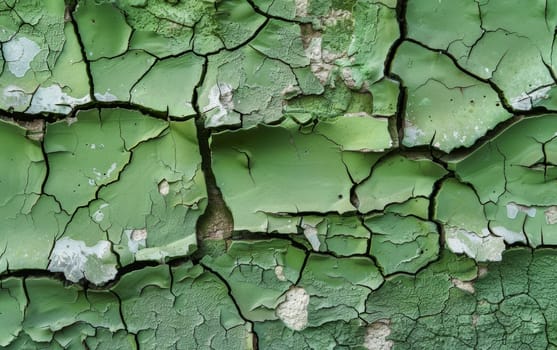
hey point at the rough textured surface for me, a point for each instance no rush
(259, 174)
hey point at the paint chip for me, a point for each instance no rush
(293, 311)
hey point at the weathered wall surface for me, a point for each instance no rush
(265, 174)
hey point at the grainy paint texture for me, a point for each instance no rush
(265, 174)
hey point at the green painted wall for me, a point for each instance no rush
(278, 174)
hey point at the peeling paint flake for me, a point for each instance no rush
(18, 53)
(252, 167)
(376, 336)
(54, 99)
(293, 310)
(487, 248)
(77, 260)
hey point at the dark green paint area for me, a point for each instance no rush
(259, 174)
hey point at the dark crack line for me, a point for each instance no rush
(387, 71)
(71, 12)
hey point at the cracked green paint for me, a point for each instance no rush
(446, 107)
(397, 179)
(257, 174)
(402, 244)
(259, 273)
(254, 167)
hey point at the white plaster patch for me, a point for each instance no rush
(508, 235)
(98, 215)
(279, 272)
(301, 8)
(551, 215)
(513, 209)
(164, 188)
(104, 175)
(412, 133)
(293, 311)
(525, 101)
(221, 102)
(311, 234)
(376, 336)
(76, 261)
(106, 97)
(488, 248)
(18, 53)
(464, 285)
(137, 239)
(15, 97)
(53, 99)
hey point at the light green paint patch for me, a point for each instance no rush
(526, 58)
(168, 194)
(254, 167)
(396, 179)
(12, 303)
(511, 167)
(359, 164)
(445, 25)
(340, 235)
(168, 216)
(169, 85)
(102, 28)
(237, 22)
(510, 50)
(31, 220)
(356, 133)
(402, 244)
(446, 108)
(114, 78)
(96, 147)
(385, 97)
(53, 307)
(514, 172)
(418, 207)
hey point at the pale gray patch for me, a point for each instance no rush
(376, 336)
(18, 53)
(293, 310)
(53, 99)
(76, 260)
